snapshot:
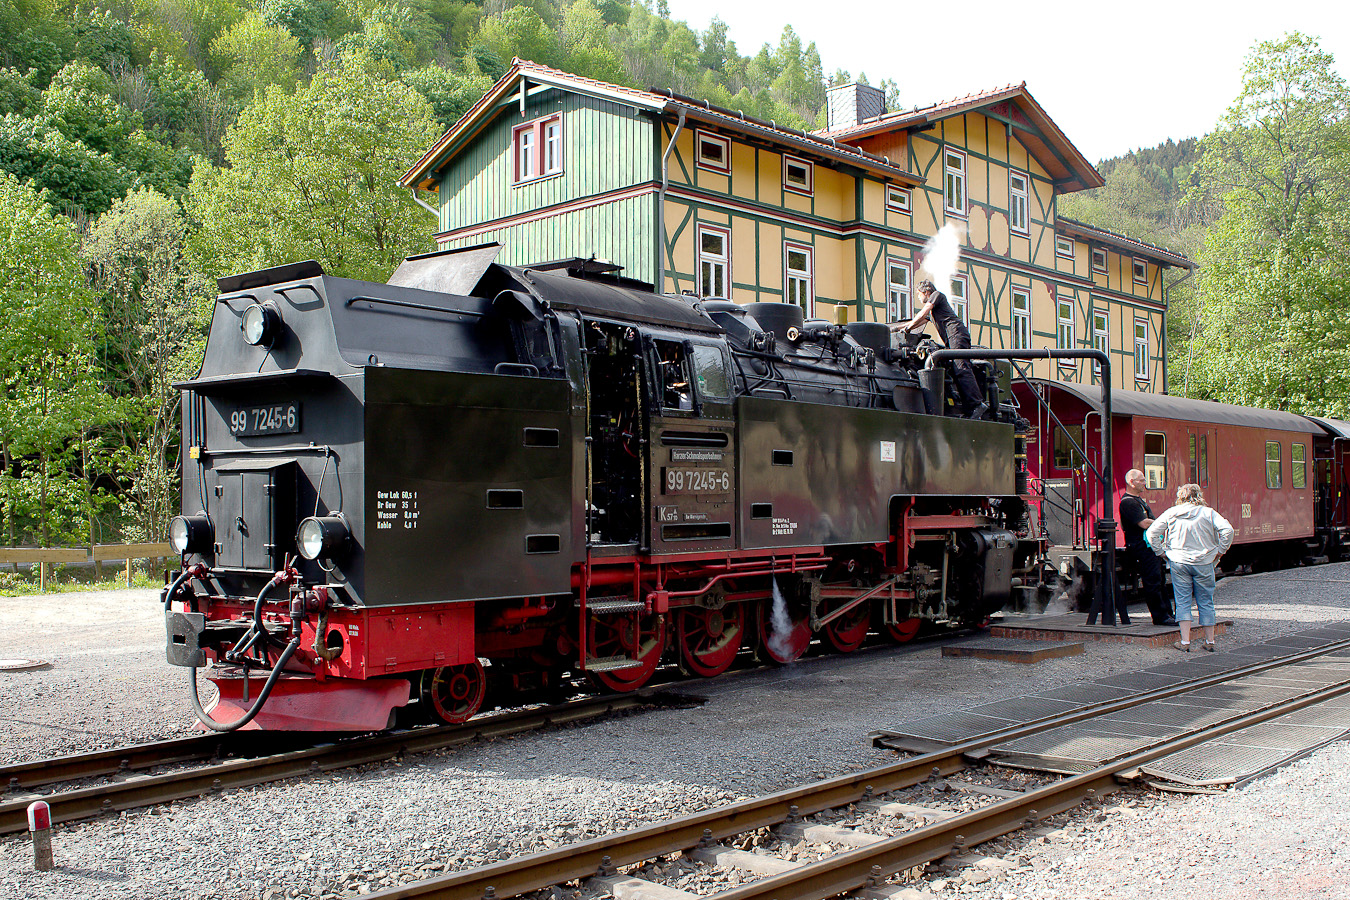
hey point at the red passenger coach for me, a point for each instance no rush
(1254, 465)
(1331, 484)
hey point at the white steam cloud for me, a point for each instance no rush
(780, 625)
(941, 254)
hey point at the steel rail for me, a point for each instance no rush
(148, 790)
(519, 876)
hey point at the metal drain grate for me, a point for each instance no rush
(1211, 764)
(951, 728)
(1280, 735)
(1173, 714)
(1025, 709)
(1084, 693)
(1138, 682)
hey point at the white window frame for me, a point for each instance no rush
(724, 167)
(1019, 202)
(1102, 267)
(898, 293)
(1065, 332)
(713, 260)
(1140, 349)
(806, 189)
(954, 197)
(898, 199)
(959, 299)
(1140, 269)
(1101, 335)
(1063, 247)
(803, 280)
(1021, 319)
(537, 149)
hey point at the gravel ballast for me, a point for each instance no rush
(350, 832)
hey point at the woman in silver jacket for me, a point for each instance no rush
(1193, 536)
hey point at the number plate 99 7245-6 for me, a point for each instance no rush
(696, 481)
(280, 418)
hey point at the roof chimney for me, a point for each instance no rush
(852, 104)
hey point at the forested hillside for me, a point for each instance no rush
(147, 146)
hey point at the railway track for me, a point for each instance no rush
(298, 757)
(857, 860)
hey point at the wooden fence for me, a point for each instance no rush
(42, 557)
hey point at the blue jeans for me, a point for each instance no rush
(1193, 582)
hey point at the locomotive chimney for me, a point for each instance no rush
(853, 104)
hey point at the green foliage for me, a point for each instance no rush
(1276, 270)
(255, 55)
(39, 154)
(314, 175)
(450, 94)
(520, 32)
(17, 93)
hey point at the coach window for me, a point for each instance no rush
(1298, 474)
(1194, 477)
(710, 373)
(1155, 460)
(1273, 464)
(673, 372)
(1204, 461)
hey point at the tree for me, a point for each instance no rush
(47, 378)
(1274, 321)
(256, 55)
(156, 310)
(450, 94)
(314, 175)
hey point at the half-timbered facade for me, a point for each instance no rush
(706, 201)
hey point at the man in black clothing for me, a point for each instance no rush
(957, 337)
(1135, 517)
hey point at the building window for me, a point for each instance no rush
(1101, 339)
(1099, 260)
(1017, 201)
(1064, 247)
(897, 290)
(537, 148)
(1273, 464)
(1155, 460)
(1140, 272)
(897, 199)
(714, 152)
(797, 277)
(714, 261)
(1021, 319)
(958, 298)
(1298, 474)
(1064, 336)
(955, 182)
(1141, 349)
(798, 175)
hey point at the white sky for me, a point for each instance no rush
(1114, 77)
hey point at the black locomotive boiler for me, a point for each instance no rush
(397, 493)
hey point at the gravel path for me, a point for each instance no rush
(352, 832)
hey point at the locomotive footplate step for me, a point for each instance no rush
(1074, 627)
(1233, 759)
(1013, 649)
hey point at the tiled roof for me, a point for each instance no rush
(1140, 248)
(825, 147)
(901, 118)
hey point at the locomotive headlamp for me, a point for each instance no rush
(262, 324)
(191, 534)
(320, 537)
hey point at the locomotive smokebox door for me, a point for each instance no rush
(256, 513)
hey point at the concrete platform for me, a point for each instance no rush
(1074, 627)
(1013, 650)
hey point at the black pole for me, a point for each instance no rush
(1106, 595)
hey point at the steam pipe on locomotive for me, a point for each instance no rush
(1108, 591)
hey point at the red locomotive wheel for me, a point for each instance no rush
(710, 638)
(902, 632)
(456, 692)
(847, 633)
(640, 637)
(783, 645)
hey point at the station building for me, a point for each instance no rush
(706, 201)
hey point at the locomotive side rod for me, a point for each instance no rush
(1107, 594)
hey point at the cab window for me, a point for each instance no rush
(710, 372)
(672, 374)
(1066, 457)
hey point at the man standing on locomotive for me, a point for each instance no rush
(1135, 516)
(957, 337)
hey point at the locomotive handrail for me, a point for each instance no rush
(427, 307)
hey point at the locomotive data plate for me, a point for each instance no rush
(677, 480)
(279, 418)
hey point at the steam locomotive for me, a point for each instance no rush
(397, 495)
